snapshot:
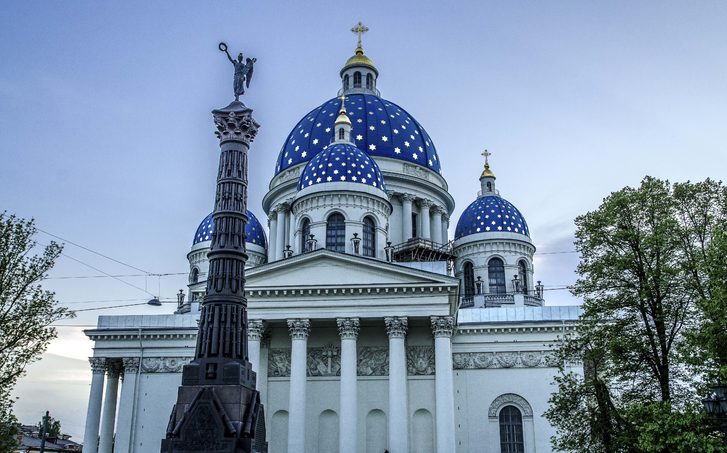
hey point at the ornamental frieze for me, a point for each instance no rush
(164, 364)
(507, 359)
(325, 361)
(279, 362)
(420, 360)
(373, 361)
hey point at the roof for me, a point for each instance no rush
(552, 313)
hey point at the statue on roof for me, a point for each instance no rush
(243, 71)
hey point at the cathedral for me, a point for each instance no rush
(370, 328)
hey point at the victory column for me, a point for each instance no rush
(218, 408)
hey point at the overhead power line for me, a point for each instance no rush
(70, 277)
(95, 252)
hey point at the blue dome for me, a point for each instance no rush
(380, 128)
(341, 162)
(254, 233)
(491, 214)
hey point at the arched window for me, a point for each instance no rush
(469, 279)
(336, 233)
(369, 81)
(357, 79)
(369, 237)
(345, 82)
(304, 235)
(194, 276)
(511, 430)
(341, 134)
(496, 276)
(522, 272)
(489, 186)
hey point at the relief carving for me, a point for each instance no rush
(373, 361)
(279, 362)
(507, 359)
(164, 364)
(325, 361)
(420, 360)
(415, 170)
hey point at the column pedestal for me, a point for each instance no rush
(299, 330)
(443, 327)
(348, 328)
(95, 398)
(108, 422)
(396, 328)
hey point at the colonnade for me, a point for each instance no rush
(433, 223)
(398, 411)
(102, 424)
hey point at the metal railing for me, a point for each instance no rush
(499, 300)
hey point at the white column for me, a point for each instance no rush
(273, 222)
(255, 330)
(280, 236)
(445, 228)
(93, 415)
(398, 402)
(127, 403)
(348, 328)
(108, 422)
(406, 200)
(442, 327)
(299, 330)
(437, 224)
(424, 213)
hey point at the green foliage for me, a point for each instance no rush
(54, 428)
(8, 429)
(26, 309)
(653, 278)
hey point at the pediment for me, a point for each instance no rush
(325, 269)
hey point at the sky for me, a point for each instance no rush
(107, 141)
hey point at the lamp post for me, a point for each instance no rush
(516, 284)
(539, 290)
(389, 250)
(716, 406)
(288, 252)
(311, 242)
(478, 284)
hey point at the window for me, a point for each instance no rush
(341, 134)
(369, 237)
(469, 279)
(522, 272)
(369, 81)
(414, 218)
(511, 430)
(345, 82)
(194, 276)
(496, 275)
(489, 186)
(304, 235)
(336, 233)
(357, 79)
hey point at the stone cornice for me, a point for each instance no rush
(514, 327)
(147, 333)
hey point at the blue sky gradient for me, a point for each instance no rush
(106, 136)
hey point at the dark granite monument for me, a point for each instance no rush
(218, 408)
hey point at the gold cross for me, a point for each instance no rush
(486, 154)
(343, 102)
(360, 29)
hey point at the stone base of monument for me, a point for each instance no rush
(219, 418)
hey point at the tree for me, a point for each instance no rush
(642, 277)
(26, 309)
(54, 428)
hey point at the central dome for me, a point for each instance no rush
(341, 162)
(380, 128)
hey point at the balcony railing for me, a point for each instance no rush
(500, 300)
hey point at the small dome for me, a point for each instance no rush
(359, 59)
(254, 233)
(491, 214)
(380, 128)
(341, 162)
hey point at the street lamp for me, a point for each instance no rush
(356, 243)
(478, 284)
(716, 405)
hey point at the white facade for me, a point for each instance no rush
(384, 344)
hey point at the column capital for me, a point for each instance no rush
(114, 368)
(281, 207)
(406, 197)
(445, 216)
(442, 326)
(396, 326)
(255, 329)
(438, 209)
(426, 203)
(273, 215)
(299, 328)
(98, 365)
(348, 328)
(130, 364)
